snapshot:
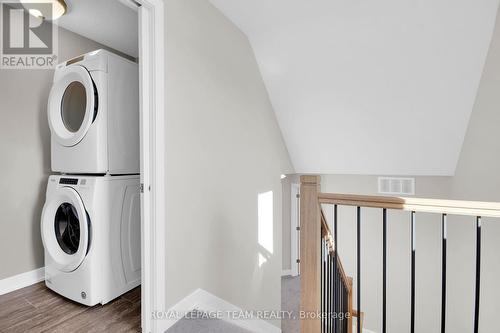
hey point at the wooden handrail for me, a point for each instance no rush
(326, 233)
(452, 207)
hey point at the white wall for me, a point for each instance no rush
(25, 151)
(478, 178)
(477, 175)
(223, 149)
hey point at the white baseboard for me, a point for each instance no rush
(286, 272)
(203, 301)
(21, 280)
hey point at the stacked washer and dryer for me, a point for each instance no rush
(91, 218)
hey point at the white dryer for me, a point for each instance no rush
(93, 114)
(91, 234)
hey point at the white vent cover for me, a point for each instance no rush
(396, 185)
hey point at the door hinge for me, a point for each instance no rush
(297, 196)
(297, 228)
(298, 261)
(142, 188)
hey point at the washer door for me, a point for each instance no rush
(72, 105)
(65, 229)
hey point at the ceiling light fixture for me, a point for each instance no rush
(59, 8)
(36, 13)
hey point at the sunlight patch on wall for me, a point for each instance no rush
(262, 259)
(265, 220)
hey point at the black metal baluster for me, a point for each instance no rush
(345, 309)
(330, 294)
(326, 288)
(335, 258)
(327, 255)
(336, 305)
(344, 297)
(328, 278)
(444, 236)
(358, 270)
(327, 291)
(347, 329)
(334, 295)
(334, 292)
(413, 250)
(478, 273)
(384, 273)
(341, 309)
(341, 301)
(323, 268)
(339, 306)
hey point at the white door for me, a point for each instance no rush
(65, 229)
(72, 106)
(295, 229)
(130, 229)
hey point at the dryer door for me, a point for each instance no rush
(65, 229)
(72, 105)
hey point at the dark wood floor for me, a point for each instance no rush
(37, 309)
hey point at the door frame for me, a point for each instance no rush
(152, 128)
(294, 229)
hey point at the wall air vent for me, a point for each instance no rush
(396, 186)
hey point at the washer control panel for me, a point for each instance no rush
(68, 181)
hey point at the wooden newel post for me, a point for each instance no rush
(310, 253)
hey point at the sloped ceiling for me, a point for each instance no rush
(370, 87)
(110, 22)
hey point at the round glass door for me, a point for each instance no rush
(65, 229)
(72, 105)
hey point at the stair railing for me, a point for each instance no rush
(336, 286)
(320, 264)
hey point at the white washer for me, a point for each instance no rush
(91, 234)
(93, 114)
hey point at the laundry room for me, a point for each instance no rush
(70, 233)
